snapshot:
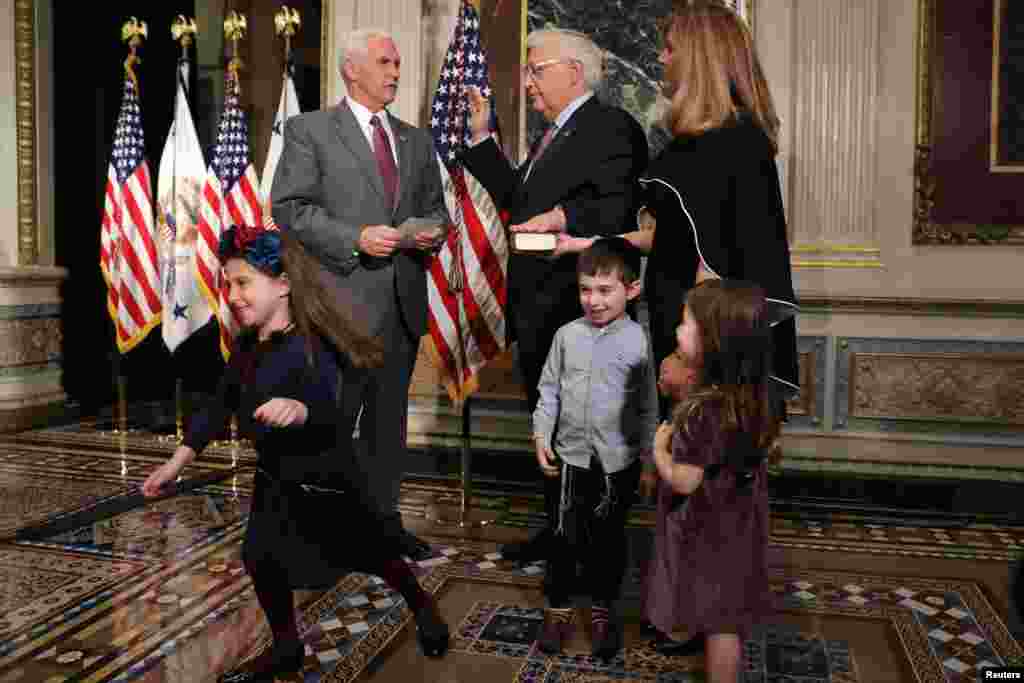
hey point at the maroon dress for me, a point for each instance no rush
(708, 572)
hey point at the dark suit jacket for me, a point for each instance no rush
(327, 187)
(590, 168)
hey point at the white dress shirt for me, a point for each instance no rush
(363, 116)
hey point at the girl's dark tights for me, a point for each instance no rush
(270, 582)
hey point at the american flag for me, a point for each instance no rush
(466, 283)
(230, 197)
(128, 253)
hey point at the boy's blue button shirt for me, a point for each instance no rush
(597, 394)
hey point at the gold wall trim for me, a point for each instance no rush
(981, 388)
(326, 48)
(836, 263)
(998, 9)
(810, 301)
(25, 113)
(833, 249)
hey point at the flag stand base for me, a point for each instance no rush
(457, 516)
(461, 515)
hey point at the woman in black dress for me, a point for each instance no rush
(714, 192)
(282, 383)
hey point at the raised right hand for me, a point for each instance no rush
(479, 113)
(379, 240)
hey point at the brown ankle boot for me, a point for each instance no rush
(602, 637)
(557, 625)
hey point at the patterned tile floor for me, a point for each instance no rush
(159, 594)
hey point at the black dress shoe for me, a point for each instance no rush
(431, 630)
(271, 664)
(668, 647)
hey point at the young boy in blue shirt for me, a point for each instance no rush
(597, 412)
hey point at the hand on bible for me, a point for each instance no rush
(549, 221)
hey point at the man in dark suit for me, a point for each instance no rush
(579, 182)
(347, 176)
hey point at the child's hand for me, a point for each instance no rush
(663, 439)
(546, 459)
(162, 475)
(282, 412)
(675, 377)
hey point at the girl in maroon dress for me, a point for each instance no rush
(708, 572)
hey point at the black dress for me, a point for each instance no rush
(311, 512)
(716, 197)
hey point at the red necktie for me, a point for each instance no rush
(385, 160)
(544, 142)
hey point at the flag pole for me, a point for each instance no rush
(465, 517)
(182, 30)
(132, 32)
(234, 30)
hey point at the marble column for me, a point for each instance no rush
(30, 335)
(832, 122)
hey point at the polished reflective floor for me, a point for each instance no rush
(99, 588)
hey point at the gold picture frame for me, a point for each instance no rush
(955, 188)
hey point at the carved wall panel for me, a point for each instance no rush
(938, 386)
(963, 388)
(808, 408)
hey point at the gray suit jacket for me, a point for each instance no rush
(327, 187)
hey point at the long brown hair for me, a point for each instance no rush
(731, 317)
(714, 70)
(315, 312)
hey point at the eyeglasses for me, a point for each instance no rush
(534, 70)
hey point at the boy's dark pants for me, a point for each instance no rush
(597, 540)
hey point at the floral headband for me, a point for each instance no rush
(257, 246)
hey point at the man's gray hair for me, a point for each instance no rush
(573, 45)
(356, 44)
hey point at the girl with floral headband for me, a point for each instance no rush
(282, 383)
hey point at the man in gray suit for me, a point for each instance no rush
(347, 177)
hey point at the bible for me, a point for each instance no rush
(534, 241)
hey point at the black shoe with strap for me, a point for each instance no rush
(431, 630)
(666, 646)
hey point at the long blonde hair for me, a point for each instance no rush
(714, 70)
